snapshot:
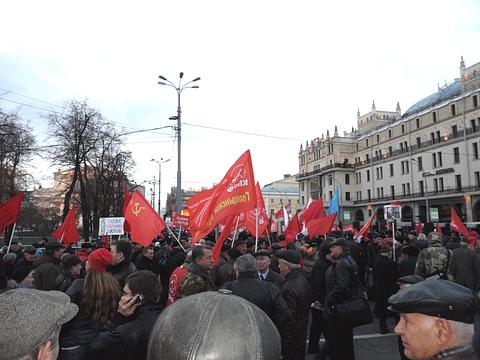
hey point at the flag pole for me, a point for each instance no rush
(63, 234)
(235, 232)
(180, 231)
(393, 236)
(256, 229)
(179, 243)
(11, 238)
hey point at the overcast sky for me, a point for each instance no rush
(287, 69)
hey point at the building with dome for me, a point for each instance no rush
(427, 157)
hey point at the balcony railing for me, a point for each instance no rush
(335, 165)
(446, 191)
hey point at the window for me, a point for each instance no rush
(405, 146)
(302, 186)
(419, 142)
(408, 188)
(418, 123)
(403, 190)
(473, 125)
(434, 160)
(359, 178)
(378, 193)
(347, 179)
(475, 101)
(271, 201)
(420, 163)
(381, 172)
(456, 155)
(368, 175)
(347, 196)
(458, 182)
(432, 137)
(435, 185)
(366, 142)
(439, 158)
(392, 191)
(438, 136)
(303, 200)
(369, 194)
(390, 151)
(434, 116)
(378, 138)
(420, 186)
(330, 195)
(391, 169)
(405, 167)
(440, 183)
(357, 145)
(477, 179)
(330, 180)
(453, 110)
(390, 133)
(475, 151)
(368, 158)
(401, 148)
(403, 129)
(454, 131)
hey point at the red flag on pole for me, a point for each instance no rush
(227, 230)
(293, 228)
(250, 216)
(321, 226)
(233, 195)
(279, 214)
(419, 228)
(313, 211)
(438, 229)
(365, 228)
(68, 232)
(9, 211)
(126, 199)
(456, 223)
(144, 221)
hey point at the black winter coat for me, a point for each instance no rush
(297, 293)
(407, 266)
(465, 267)
(122, 270)
(319, 286)
(275, 278)
(47, 269)
(386, 276)
(263, 294)
(125, 338)
(64, 280)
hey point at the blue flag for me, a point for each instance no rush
(334, 204)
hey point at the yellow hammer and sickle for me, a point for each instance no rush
(136, 208)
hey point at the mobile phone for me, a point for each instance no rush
(138, 299)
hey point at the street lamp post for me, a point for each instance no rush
(178, 88)
(159, 180)
(425, 174)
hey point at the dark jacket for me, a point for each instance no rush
(275, 278)
(458, 353)
(195, 281)
(373, 250)
(342, 282)
(47, 269)
(144, 263)
(64, 280)
(25, 263)
(298, 295)
(80, 330)
(263, 294)
(125, 338)
(122, 270)
(464, 267)
(386, 276)
(407, 266)
(319, 288)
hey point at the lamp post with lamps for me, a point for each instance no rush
(159, 180)
(178, 88)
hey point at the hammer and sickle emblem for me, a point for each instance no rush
(137, 209)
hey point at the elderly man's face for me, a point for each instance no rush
(263, 262)
(206, 261)
(284, 267)
(418, 335)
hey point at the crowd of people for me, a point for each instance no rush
(102, 301)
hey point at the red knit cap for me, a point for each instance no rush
(100, 259)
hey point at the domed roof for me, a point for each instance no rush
(443, 94)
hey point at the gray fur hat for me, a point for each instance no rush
(30, 317)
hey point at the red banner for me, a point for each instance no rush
(234, 194)
(456, 223)
(313, 211)
(179, 220)
(251, 216)
(68, 232)
(9, 211)
(321, 226)
(126, 199)
(366, 228)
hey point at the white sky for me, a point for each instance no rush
(290, 69)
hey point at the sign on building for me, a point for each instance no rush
(346, 215)
(111, 226)
(434, 214)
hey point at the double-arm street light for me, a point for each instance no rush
(159, 180)
(179, 88)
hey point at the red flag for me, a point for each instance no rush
(321, 226)
(313, 211)
(279, 214)
(419, 228)
(9, 211)
(144, 221)
(234, 194)
(365, 228)
(456, 223)
(251, 217)
(293, 228)
(126, 199)
(227, 230)
(348, 227)
(68, 232)
(438, 229)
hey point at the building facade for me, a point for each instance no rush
(283, 192)
(426, 157)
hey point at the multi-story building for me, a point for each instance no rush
(428, 156)
(281, 193)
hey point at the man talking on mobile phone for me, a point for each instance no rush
(126, 335)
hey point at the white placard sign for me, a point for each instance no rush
(111, 226)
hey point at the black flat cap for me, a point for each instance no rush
(54, 244)
(338, 241)
(440, 298)
(262, 252)
(292, 256)
(410, 279)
